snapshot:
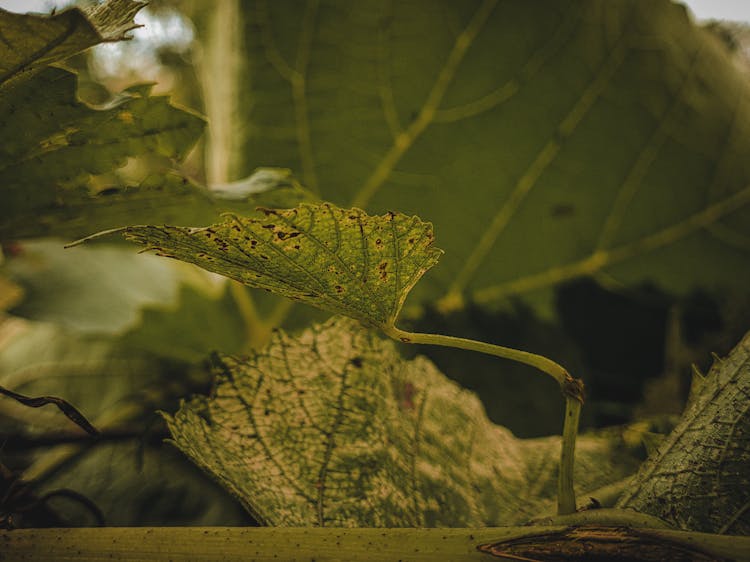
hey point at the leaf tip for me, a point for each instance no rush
(94, 236)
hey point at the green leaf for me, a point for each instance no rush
(44, 359)
(334, 428)
(31, 42)
(341, 260)
(90, 290)
(74, 212)
(65, 140)
(698, 478)
(135, 482)
(50, 142)
(546, 141)
(190, 329)
(128, 473)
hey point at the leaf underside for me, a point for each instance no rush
(699, 479)
(576, 139)
(340, 260)
(334, 428)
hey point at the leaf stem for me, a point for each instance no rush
(566, 499)
(572, 390)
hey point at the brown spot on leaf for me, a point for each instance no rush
(407, 396)
(339, 289)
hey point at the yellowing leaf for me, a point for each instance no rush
(334, 428)
(341, 260)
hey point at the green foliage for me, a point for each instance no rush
(713, 438)
(334, 428)
(130, 474)
(45, 169)
(545, 141)
(32, 42)
(47, 156)
(74, 289)
(189, 329)
(341, 260)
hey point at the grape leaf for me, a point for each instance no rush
(341, 260)
(334, 428)
(128, 473)
(65, 140)
(699, 478)
(31, 42)
(50, 142)
(546, 141)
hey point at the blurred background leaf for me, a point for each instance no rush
(32, 42)
(545, 142)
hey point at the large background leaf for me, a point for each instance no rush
(334, 428)
(546, 141)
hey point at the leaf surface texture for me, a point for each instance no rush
(699, 478)
(334, 428)
(546, 141)
(341, 260)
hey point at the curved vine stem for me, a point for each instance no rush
(572, 390)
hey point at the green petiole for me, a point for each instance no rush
(572, 390)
